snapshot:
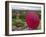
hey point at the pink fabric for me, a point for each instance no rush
(32, 20)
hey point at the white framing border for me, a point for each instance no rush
(24, 32)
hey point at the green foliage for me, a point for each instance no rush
(22, 17)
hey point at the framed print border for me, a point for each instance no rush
(7, 17)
